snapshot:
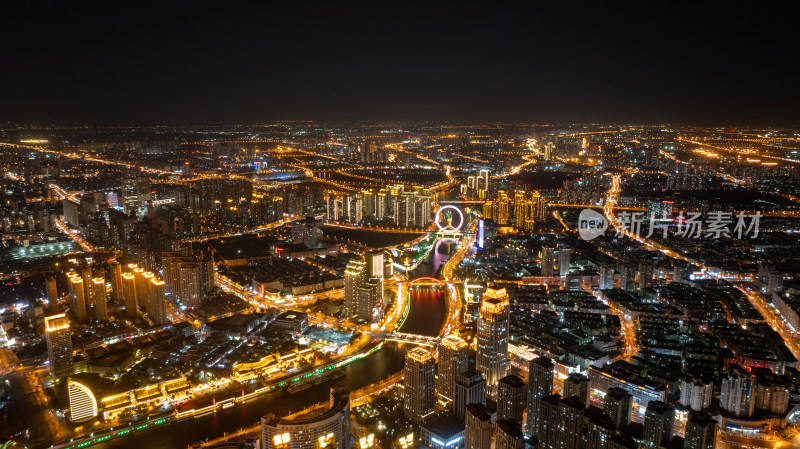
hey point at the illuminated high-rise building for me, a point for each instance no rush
(129, 294)
(99, 294)
(701, 431)
(560, 423)
(116, 281)
(453, 360)
(737, 393)
(563, 261)
(548, 256)
(375, 266)
(191, 284)
(158, 301)
(577, 384)
(59, 345)
(508, 435)
(511, 398)
(618, 404)
(354, 274)
(77, 298)
(369, 299)
(540, 384)
(52, 294)
(549, 151)
(86, 276)
(470, 388)
(477, 427)
(483, 182)
(658, 420)
(419, 374)
(493, 327)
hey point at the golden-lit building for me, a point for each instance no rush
(493, 327)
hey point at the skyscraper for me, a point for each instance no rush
(701, 431)
(99, 294)
(77, 298)
(86, 277)
(549, 151)
(511, 398)
(452, 361)
(540, 384)
(354, 273)
(158, 301)
(493, 326)
(737, 393)
(560, 423)
(563, 261)
(599, 430)
(657, 424)
(696, 393)
(478, 427)
(369, 299)
(470, 388)
(191, 284)
(508, 435)
(374, 264)
(617, 404)
(577, 384)
(548, 255)
(59, 345)
(419, 379)
(129, 294)
(52, 294)
(116, 281)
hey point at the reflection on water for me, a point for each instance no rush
(427, 310)
(368, 370)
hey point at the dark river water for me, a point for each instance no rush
(425, 317)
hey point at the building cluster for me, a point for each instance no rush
(394, 205)
(363, 285)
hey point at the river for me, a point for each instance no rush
(425, 317)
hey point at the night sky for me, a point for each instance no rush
(648, 62)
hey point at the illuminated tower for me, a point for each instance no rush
(353, 275)
(77, 298)
(548, 256)
(470, 388)
(191, 284)
(657, 424)
(99, 294)
(158, 301)
(52, 294)
(452, 361)
(478, 427)
(59, 345)
(493, 325)
(511, 398)
(540, 384)
(116, 281)
(419, 377)
(129, 293)
(549, 151)
(86, 276)
(701, 431)
(563, 261)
